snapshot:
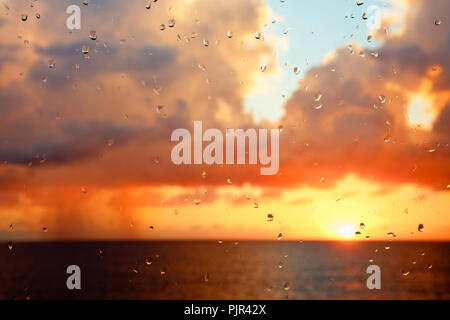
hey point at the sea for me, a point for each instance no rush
(225, 270)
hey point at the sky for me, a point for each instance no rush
(85, 137)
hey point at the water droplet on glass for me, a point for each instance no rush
(263, 68)
(162, 27)
(84, 190)
(85, 49)
(269, 217)
(10, 245)
(229, 34)
(317, 96)
(257, 35)
(196, 201)
(203, 174)
(51, 63)
(420, 228)
(24, 17)
(279, 236)
(255, 205)
(382, 98)
(148, 261)
(229, 181)
(205, 42)
(148, 5)
(405, 273)
(93, 35)
(287, 286)
(438, 22)
(362, 225)
(171, 23)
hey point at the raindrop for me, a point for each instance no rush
(364, 16)
(203, 174)
(196, 201)
(297, 70)
(148, 5)
(38, 15)
(171, 23)
(405, 273)
(205, 42)
(255, 205)
(10, 245)
(382, 98)
(135, 270)
(359, 3)
(148, 261)
(85, 2)
(84, 190)
(269, 217)
(391, 234)
(156, 160)
(229, 181)
(229, 34)
(263, 68)
(362, 225)
(44, 229)
(280, 236)
(257, 35)
(437, 22)
(280, 265)
(93, 35)
(24, 17)
(51, 63)
(162, 27)
(420, 228)
(163, 271)
(85, 49)
(317, 96)
(387, 138)
(287, 286)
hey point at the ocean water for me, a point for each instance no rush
(228, 270)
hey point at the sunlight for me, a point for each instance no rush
(346, 231)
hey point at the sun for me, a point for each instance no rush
(346, 231)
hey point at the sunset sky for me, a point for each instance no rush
(85, 138)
